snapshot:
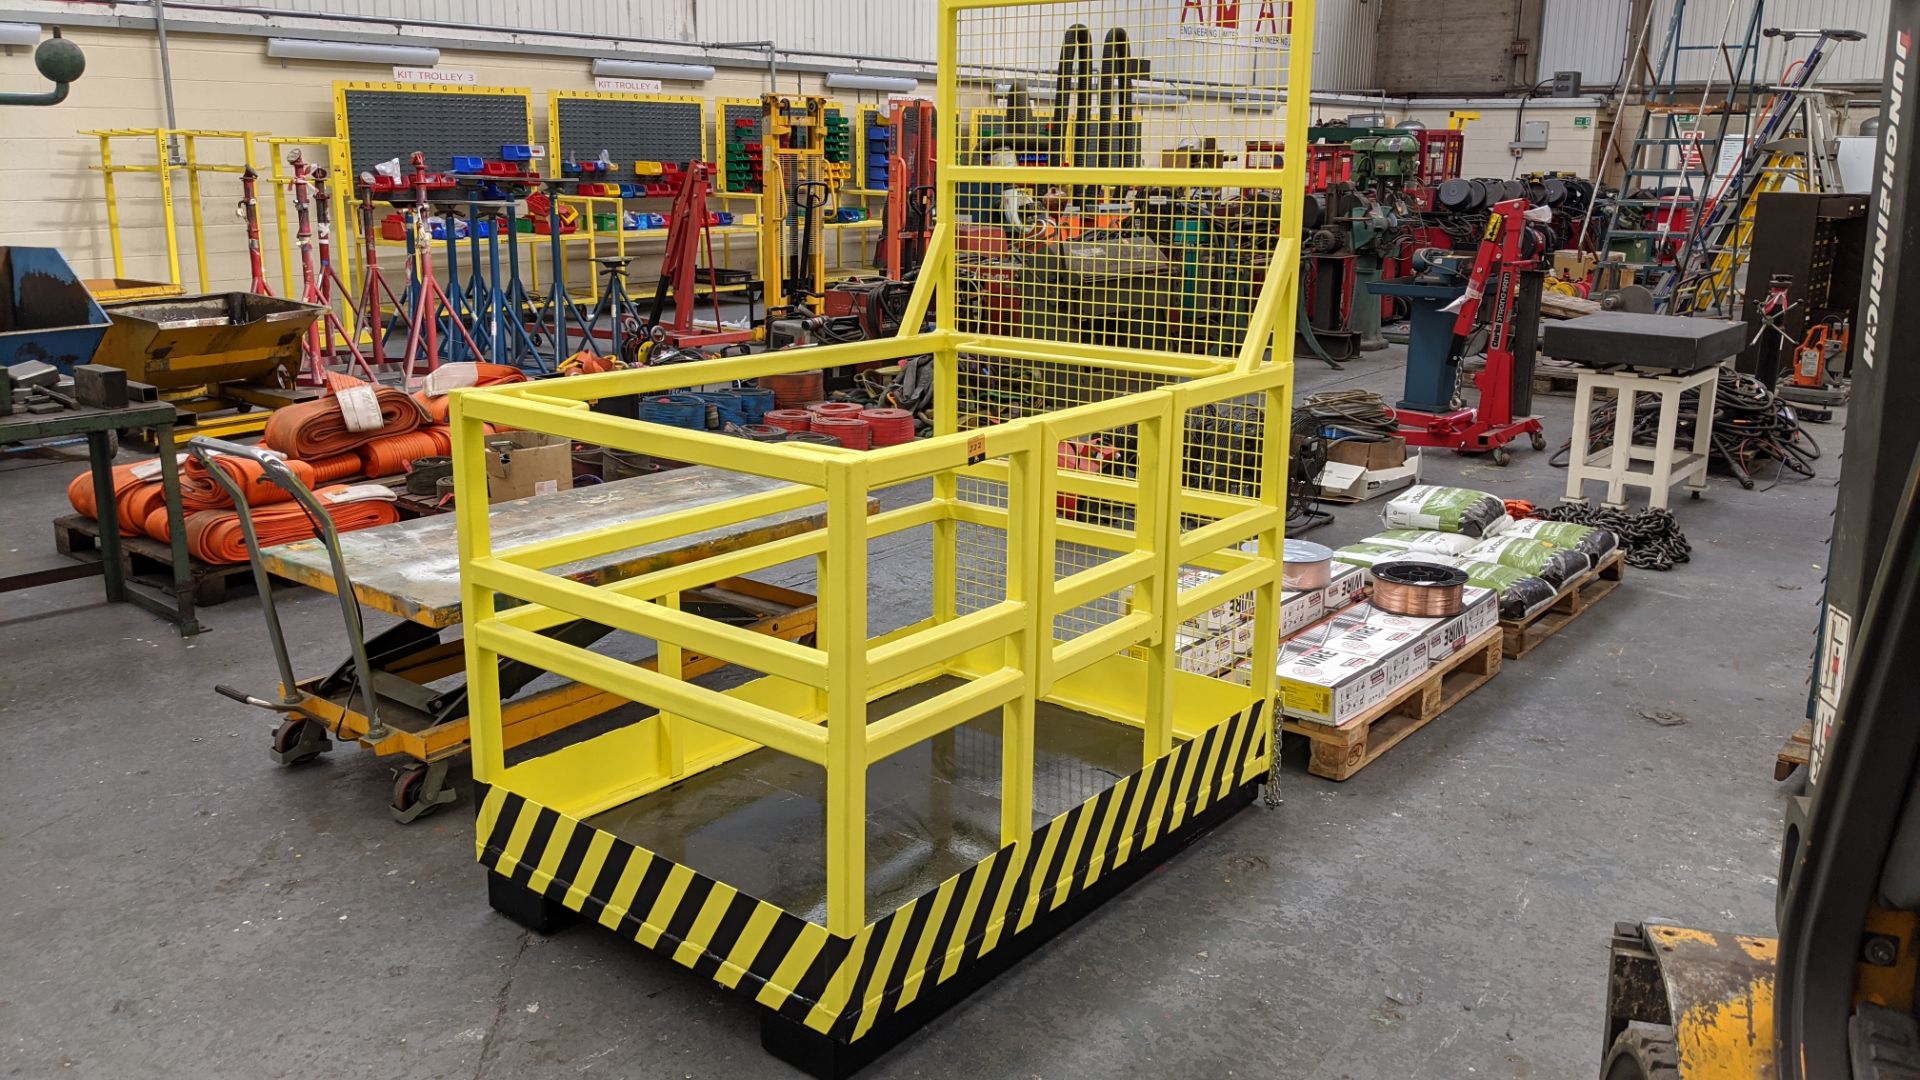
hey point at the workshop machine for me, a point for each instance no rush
(1503, 284)
(1833, 997)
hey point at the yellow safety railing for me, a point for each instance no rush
(175, 150)
(1108, 462)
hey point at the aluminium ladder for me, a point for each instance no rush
(1658, 188)
(1720, 237)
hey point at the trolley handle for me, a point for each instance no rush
(275, 469)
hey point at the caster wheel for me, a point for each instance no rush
(1538, 439)
(299, 740)
(418, 791)
(1500, 455)
(1694, 495)
(406, 788)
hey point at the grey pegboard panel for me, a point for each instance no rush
(728, 113)
(381, 121)
(629, 127)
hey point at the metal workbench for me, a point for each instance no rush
(98, 425)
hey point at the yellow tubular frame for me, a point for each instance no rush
(813, 702)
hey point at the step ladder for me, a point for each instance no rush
(1674, 149)
(1706, 272)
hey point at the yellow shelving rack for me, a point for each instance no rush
(889, 814)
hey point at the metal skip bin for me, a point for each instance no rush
(208, 339)
(46, 314)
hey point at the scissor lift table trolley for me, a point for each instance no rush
(410, 569)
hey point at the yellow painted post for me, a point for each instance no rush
(194, 210)
(1023, 649)
(164, 169)
(1161, 445)
(1293, 171)
(476, 601)
(946, 484)
(843, 633)
(669, 741)
(277, 186)
(113, 207)
(1273, 493)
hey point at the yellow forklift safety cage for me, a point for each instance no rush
(1107, 472)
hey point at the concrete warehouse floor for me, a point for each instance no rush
(177, 905)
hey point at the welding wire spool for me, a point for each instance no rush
(1425, 590)
(789, 419)
(813, 437)
(675, 410)
(425, 473)
(846, 410)
(891, 427)
(794, 389)
(853, 432)
(1305, 566)
(763, 432)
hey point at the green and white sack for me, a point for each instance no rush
(1520, 593)
(1556, 566)
(1426, 541)
(1597, 543)
(1446, 509)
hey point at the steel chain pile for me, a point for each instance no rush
(1651, 538)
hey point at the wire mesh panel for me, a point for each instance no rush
(627, 128)
(1118, 161)
(383, 121)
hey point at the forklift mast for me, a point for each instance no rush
(1850, 859)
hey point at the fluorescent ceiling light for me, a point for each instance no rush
(895, 84)
(352, 52)
(19, 33)
(647, 69)
(1144, 97)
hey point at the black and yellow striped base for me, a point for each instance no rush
(837, 1002)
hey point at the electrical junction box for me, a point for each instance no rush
(1566, 84)
(1533, 136)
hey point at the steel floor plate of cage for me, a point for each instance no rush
(724, 871)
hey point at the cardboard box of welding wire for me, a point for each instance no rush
(1299, 610)
(1440, 638)
(1327, 687)
(523, 463)
(1349, 586)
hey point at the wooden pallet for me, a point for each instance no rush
(1556, 381)
(1795, 752)
(149, 561)
(1522, 635)
(1339, 752)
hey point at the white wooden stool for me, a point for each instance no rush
(1615, 464)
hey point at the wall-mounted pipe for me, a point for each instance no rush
(491, 28)
(166, 63)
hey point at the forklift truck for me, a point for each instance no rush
(1833, 997)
